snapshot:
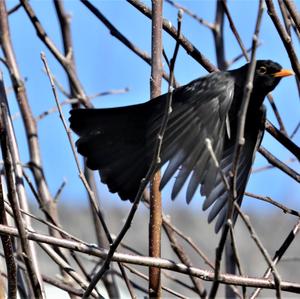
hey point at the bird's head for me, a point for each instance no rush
(267, 75)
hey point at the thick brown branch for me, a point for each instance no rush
(155, 194)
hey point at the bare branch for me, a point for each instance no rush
(162, 263)
(6, 147)
(155, 218)
(275, 203)
(280, 165)
(168, 27)
(63, 60)
(7, 244)
(279, 253)
(191, 14)
(286, 40)
(117, 34)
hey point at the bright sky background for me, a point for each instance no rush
(104, 63)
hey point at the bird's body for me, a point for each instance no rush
(120, 142)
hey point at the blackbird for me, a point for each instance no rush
(120, 142)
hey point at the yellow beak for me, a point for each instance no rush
(284, 73)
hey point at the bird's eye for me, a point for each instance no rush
(262, 70)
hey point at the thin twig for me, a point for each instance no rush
(295, 130)
(278, 164)
(283, 139)
(60, 190)
(277, 115)
(234, 30)
(76, 101)
(268, 167)
(263, 250)
(191, 14)
(268, 199)
(279, 253)
(14, 9)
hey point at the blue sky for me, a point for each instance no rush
(103, 63)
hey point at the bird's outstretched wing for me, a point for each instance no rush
(119, 142)
(199, 113)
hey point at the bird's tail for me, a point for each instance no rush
(114, 142)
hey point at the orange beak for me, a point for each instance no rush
(283, 73)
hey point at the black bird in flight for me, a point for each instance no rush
(120, 142)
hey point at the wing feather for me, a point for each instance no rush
(218, 197)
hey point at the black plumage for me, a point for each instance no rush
(120, 142)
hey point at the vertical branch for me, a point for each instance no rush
(155, 195)
(7, 244)
(12, 187)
